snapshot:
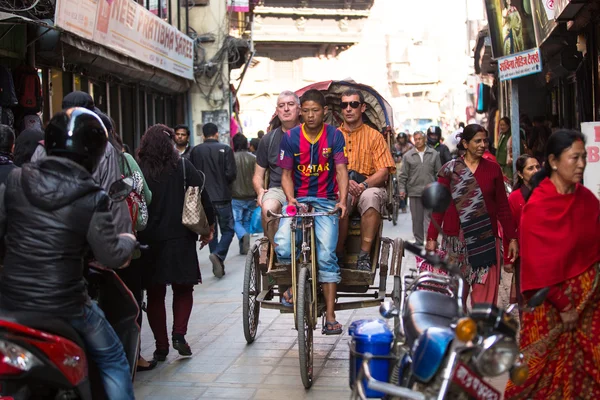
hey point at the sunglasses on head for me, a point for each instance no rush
(353, 104)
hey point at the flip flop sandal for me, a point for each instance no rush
(285, 302)
(328, 328)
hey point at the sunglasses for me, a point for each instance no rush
(353, 104)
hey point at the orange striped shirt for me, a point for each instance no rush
(367, 150)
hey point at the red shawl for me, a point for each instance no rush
(560, 235)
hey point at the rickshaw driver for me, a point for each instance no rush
(313, 159)
(369, 163)
(272, 198)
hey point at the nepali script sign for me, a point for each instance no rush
(130, 29)
(520, 64)
(591, 175)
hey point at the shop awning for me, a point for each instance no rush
(566, 10)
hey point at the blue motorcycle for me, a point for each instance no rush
(439, 350)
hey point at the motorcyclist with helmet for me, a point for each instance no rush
(434, 140)
(51, 210)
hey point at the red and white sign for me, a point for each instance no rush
(471, 383)
(130, 29)
(520, 64)
(591, 176)
(238, 5)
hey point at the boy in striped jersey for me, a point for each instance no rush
(313, 159)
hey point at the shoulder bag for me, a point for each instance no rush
(193, 216)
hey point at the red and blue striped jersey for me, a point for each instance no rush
(313, 163)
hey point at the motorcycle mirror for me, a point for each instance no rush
(119, 190)
(436, 197)
(388, 310)
(538, 298)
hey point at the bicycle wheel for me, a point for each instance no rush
(252, 287)
(305, 327)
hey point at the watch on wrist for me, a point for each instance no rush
(365, 184)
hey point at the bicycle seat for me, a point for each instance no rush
(55, 326)
(425, 309)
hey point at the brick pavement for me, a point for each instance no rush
(225, 367)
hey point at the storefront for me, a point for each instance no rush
(137, 66)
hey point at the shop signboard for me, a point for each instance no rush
(591, 176)
(130, 29)
(543, 19)
(511, 26)
(519, 65)
(238, 5)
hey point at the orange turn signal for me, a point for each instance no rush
(519, 374)
(466, 329)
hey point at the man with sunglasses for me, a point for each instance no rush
(369, 164)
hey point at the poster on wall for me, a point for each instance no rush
(591, 176)
(543, 19)
(511, 26)
(238, 5)
(221, 119)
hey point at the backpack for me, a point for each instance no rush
(29, 89)
(8, 96)
(138, 209)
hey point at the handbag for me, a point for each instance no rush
(193, 216)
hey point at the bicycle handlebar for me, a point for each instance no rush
(302, 215)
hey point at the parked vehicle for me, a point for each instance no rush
(440, 350)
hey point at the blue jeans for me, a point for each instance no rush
(242, 214)
(326, 237)
(105, 348)
(224, 214)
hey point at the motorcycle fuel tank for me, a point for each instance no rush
(429, 352)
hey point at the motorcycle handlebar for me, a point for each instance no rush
(313, 214)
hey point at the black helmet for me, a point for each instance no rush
(434, 130)
(77, 134)
(402, 135)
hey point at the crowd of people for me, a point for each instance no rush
(547, 231)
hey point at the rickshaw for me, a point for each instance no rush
(266, 280)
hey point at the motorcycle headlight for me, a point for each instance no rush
(498, 355)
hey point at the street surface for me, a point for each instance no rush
(225, 367)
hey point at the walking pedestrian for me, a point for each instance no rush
(527, 166)
(419, 168)
(217, 162)
(172, 258)
(182, 140)
(470, 224)
(560, 227)
(25, 145)
(242, 191)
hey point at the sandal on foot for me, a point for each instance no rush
(328, 328)
(151, 365)
(289, 301)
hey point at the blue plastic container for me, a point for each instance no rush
(375, 337)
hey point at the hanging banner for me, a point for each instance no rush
(543, 19)
(519, 65)
(238, 5)
(130, 29)
(511, 26)
(591, 176)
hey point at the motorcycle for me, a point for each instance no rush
(45, 358)
(441, 351)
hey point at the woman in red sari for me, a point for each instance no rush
(560, 231)
(527, 166)
(470, 225)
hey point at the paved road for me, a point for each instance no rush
(224, 366)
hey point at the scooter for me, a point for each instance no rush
(45, 358)
(441, 351)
